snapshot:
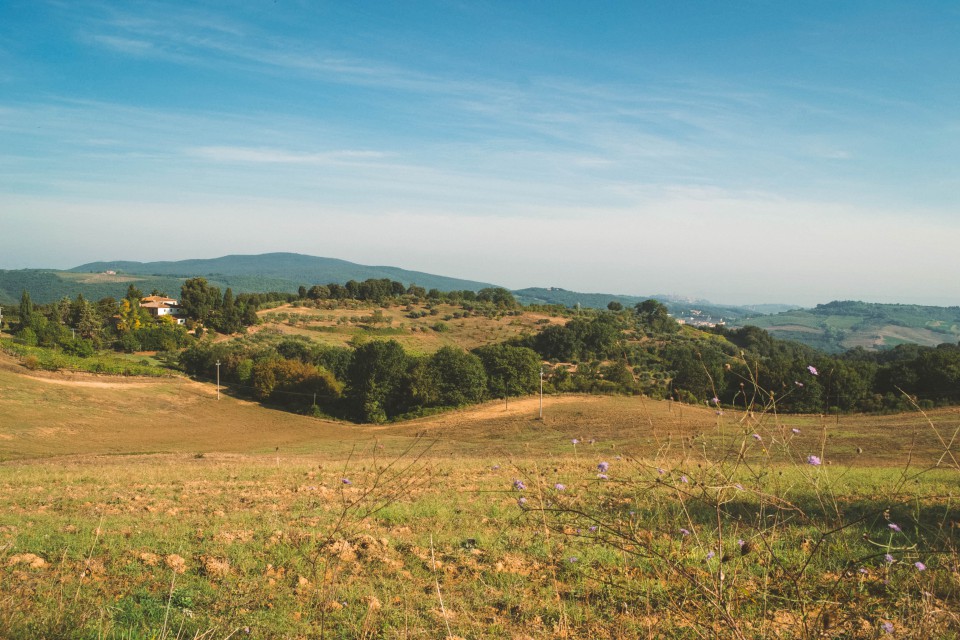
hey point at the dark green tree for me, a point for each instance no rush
(456, 377)
(26, 311)
(511, 371)
(198, 299)
(378, 381)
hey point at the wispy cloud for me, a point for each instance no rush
(281, 156)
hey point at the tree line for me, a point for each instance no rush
(373, 381)
(618, 350)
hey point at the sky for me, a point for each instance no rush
(749, 151)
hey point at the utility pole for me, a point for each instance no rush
(218, 379)
(541, 393)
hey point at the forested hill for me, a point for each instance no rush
(294, 269)
(837, 326)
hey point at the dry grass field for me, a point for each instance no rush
(337, 326)
(146, 508)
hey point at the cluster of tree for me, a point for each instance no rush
(381, 290)
(373, 382)
(749, 366)
(80, 327)
(203, 305)
(644, 350)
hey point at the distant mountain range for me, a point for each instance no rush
(832, 327)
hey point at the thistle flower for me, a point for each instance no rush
(519, 485)
(715, 400)
(813, 460)
(602, 467)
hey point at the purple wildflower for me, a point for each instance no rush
(887, 627)
(741, 542)
(519, 485)
(559, 487)
(345, 481)
(710, 555)
(521, 501)
(593, 528)
(685, 532)
(863, 571)
(602, 467)
(715, 400)
(756, 436)
(573, 559)
(795, 431)
(602, 476)
(813, 460)
(575, 442)
(660, 471)
(895, 527)
(812, 369)
(738, 486)
(888, 558)
(684, 479)
(920, 566)
(495, 467)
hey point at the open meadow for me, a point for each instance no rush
(147, 508)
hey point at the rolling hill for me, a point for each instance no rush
(837, 326)
(280, 271)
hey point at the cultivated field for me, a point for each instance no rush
(146, 508)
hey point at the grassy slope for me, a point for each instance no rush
(127, 532)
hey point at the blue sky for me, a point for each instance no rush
(751, 151)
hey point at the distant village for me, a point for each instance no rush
(696, 318)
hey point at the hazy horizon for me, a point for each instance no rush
(744, 154)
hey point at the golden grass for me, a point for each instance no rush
(163, 504)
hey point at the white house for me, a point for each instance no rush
(159, 306)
